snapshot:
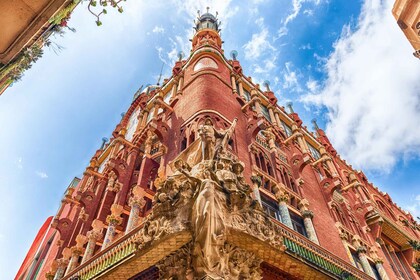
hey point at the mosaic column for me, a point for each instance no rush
(381, 270)
(113, 220)
(53, 269)
(309, 226)
(284, 210)
(76, 251)
(307, 220)
(256, 184)
(60, 269)
(137, 202)
(93, 235)
(62, 264)
(361, 251)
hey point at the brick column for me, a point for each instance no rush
(328, 161)
(272, 117)
(144, 119)
(300, 139)
(180, 85)
(233, 81)
(173, 90)
(241, 89)
(137, 202)
(257, 103)
(113, 220)
(307, 220)
(93, 235)
(283, 209)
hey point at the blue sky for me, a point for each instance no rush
(345, 63)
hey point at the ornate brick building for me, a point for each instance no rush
(407, 14)
(207, 177)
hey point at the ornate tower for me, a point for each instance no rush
(206, 177)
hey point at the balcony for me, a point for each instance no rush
(300, 256)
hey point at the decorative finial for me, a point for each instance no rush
(104, 140)
(289, 105)
(267, 85)
(316, 127)
(207, 8)
(217, 14)
(180, 55)
(122, 115)
(198, 13)
(234, 54)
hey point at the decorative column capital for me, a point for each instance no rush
(115, 218)
(66, 255)
(361, 249)
(378, 261)
(307, 214)
(137, 200)
(80, 240)
(303, 204)
(256, 179)
(282, 196)
(76, 251)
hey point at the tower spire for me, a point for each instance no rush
(207, 31)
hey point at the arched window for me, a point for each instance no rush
(261, 162)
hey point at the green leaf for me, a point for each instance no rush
(120, 9)
(104, 11)
(93, 3)
(98, 23)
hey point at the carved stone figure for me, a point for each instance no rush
(113, 184)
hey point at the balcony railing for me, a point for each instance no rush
(317, 256)
(120, 250)
(297, 246)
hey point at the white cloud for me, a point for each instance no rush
(372, 92)
(296, 8)
(414, 207)
(158, 29)
(290, 78)
(306, 47)
(312, 85)
(259, 43)
(41, 174)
